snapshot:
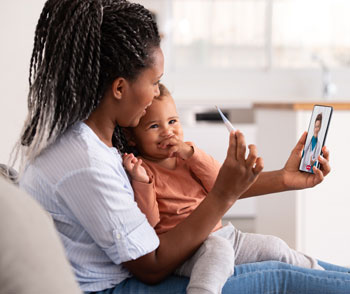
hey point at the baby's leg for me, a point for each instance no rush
(209, 267)
(255, 247)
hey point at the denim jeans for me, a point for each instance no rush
(268, 277)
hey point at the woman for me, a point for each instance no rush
(95, 68)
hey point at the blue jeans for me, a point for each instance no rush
(270, 277)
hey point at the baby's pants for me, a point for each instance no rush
(214, 261)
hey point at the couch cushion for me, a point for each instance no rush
(32, 258)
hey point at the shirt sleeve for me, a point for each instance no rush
(103, 203)
(205, 167)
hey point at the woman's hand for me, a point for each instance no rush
(176, 147)
(294, 179)
(134, 168)
(237, 173)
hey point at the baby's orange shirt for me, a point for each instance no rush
(172, 195)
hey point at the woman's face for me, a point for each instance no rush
(139, 94)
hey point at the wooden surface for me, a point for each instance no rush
(302, 105)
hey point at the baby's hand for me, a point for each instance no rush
(134, 168)
(176, 147)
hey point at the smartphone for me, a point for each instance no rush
(316, 137)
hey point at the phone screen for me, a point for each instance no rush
(316, 137)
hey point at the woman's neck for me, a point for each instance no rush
(103, 128)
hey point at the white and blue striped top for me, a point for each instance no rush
(82, 183)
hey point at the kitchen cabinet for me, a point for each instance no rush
(316, 220)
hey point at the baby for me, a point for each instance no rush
(170, 178)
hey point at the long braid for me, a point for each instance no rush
(80, 47)
(59, 75)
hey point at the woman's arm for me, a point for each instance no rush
(289, 177)
(180, 243)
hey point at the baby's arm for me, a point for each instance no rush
(143, 186)
(134, 168)
(205, 167)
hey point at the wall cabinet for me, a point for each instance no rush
(314, 221)
(213, 137)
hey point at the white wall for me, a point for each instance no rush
(17, 24)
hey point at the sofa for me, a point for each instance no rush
(32, 258)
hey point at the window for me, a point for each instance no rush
(308, 31)
(219, 34)
(227, 34)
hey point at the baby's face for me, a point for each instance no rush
(160, 122)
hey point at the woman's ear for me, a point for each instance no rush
(130, 139)
(118, 87)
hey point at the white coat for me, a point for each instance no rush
(310, 155)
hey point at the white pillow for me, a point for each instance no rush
(32, 258)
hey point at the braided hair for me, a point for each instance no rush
(80, 48)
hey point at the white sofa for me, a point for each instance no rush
(32, 258)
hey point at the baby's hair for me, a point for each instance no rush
(163, 91)
(80, 48)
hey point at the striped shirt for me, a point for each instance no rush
(82, 183)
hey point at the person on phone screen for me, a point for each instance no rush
(164, 155)
(313, 148)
